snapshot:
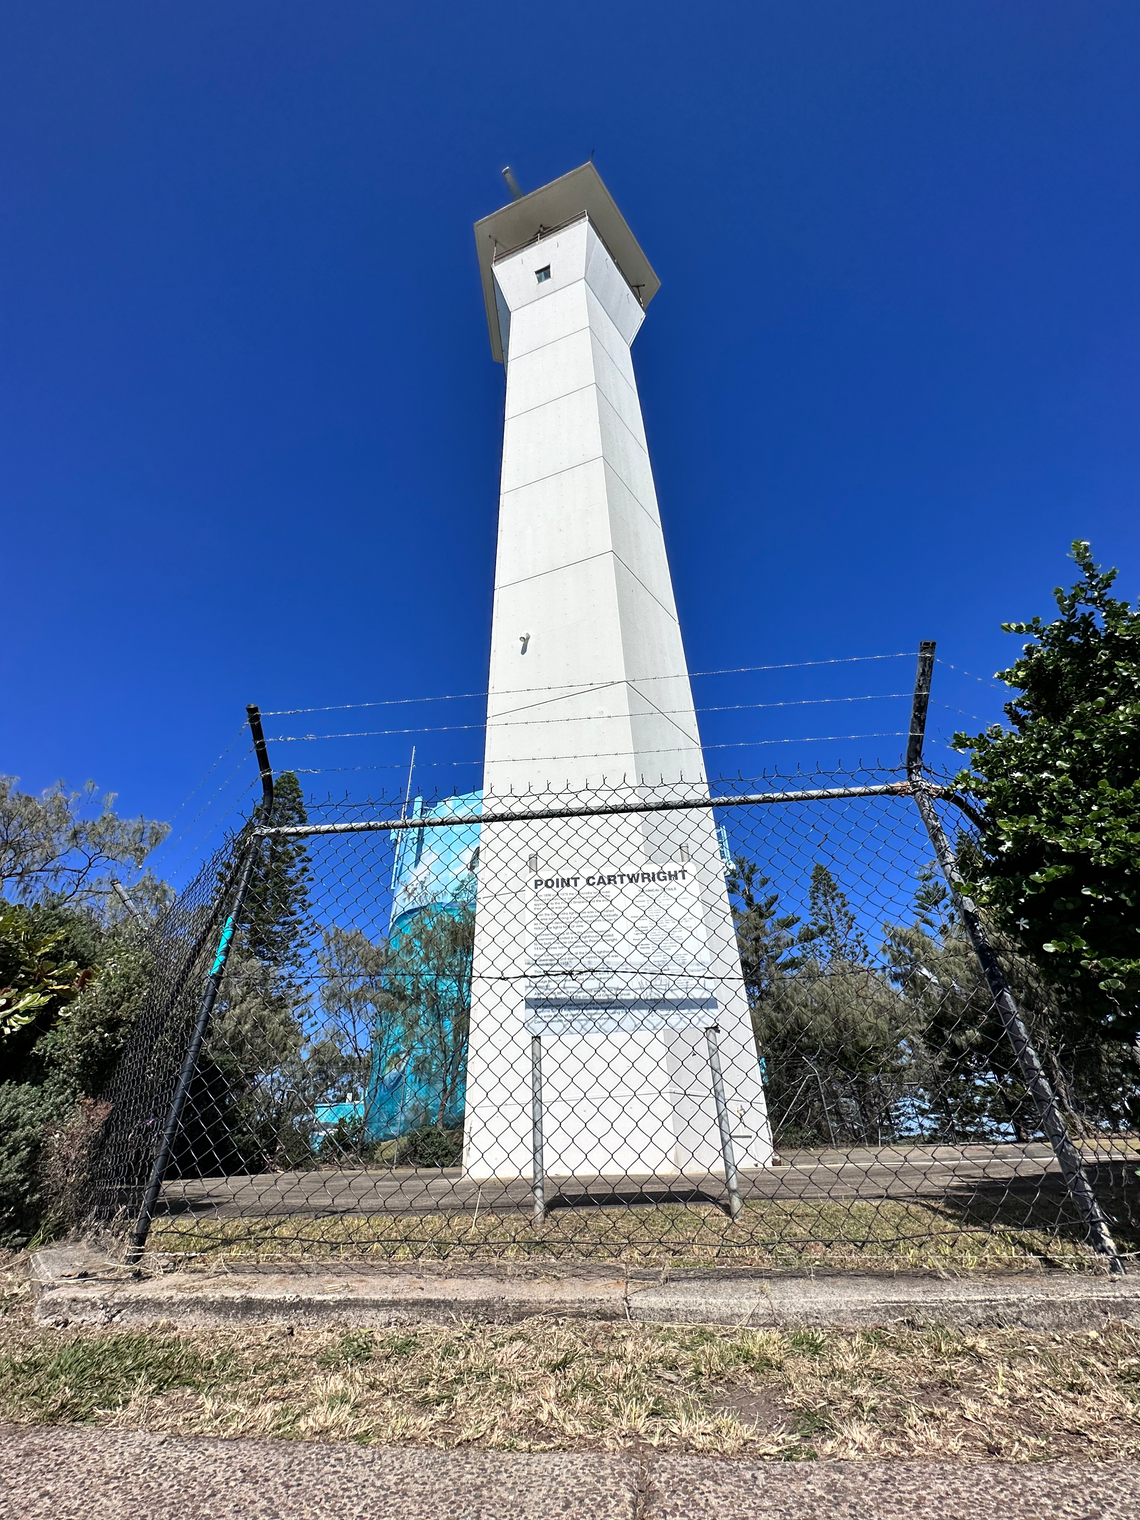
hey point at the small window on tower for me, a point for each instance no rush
(542, 274)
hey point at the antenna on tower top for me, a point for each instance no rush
(512, 183)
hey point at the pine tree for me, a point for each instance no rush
(276, 917)
(832, 924)
(240, 1115)
(765, 937)
(834, 1036)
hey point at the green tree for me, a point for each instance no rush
(246, 1110)
(835, 1038)
(364, 1026)
(972, 1085)
(65, 845)
(26, 1111)
(847, 1034)
(1058, 860)
(88, 981)
(244, 1096)
(36, 981)
(73, 972)
(276, 918)
(766, 938)
(969, 1081)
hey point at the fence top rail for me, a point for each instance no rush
(609, 809)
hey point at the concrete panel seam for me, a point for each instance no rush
(581, 465)
(554, 474)
(585, 560)
(561, 338)
(621, 420)
(554, 569)
(668, 613)
(591, 385)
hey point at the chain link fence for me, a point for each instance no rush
(747, 1023)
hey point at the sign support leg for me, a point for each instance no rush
(730, 1179)
(538, 1181)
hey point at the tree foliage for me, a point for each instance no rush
(90, 980)
(766, 938)
(251, 1098)
(831, 1029)
(964, 1064)
(62, 844)
(1059, 855)
(73, 971)
(972, 1086)
(876, 1035)
(277, 916)
(36, 981)
(363, 1023)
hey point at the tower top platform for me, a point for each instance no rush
(546, 210)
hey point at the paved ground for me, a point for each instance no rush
(77, 1473)
(891, 1172)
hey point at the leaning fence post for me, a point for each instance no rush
(1028, 1061)
(209, 996)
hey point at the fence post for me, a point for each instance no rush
(209, 996)
(538, 1161)
(1028, 1061)
(724, 1124)
(127, 900)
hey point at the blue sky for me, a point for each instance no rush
(250, 422)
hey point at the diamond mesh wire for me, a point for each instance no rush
(616, 1023)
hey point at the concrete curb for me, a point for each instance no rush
(77, 1287)
(1066, 1302)
(314, 1298)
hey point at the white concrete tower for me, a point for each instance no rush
(612, 937)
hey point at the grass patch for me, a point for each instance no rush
(549, 1385)
(52, 1383)
(770, 1234)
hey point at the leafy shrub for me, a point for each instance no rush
(25, 1113)
(433, 1147)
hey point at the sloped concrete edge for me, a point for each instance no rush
(84, 1289)
(1066, 1302)
(313, 1299)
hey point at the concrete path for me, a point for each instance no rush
(894, 1172)
(77, 1473)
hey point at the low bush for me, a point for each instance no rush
(433, 1147)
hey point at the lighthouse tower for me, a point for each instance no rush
(610, 938)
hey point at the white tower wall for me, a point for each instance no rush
(611, 937)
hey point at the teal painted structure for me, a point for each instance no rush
(435, 871)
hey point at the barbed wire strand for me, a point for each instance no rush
(500, 723)
(960, 670)
(288, 712)
(325, 770)
(197, 788)
(194, 849)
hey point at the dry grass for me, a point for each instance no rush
(878, 1234)
(566, 1385)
